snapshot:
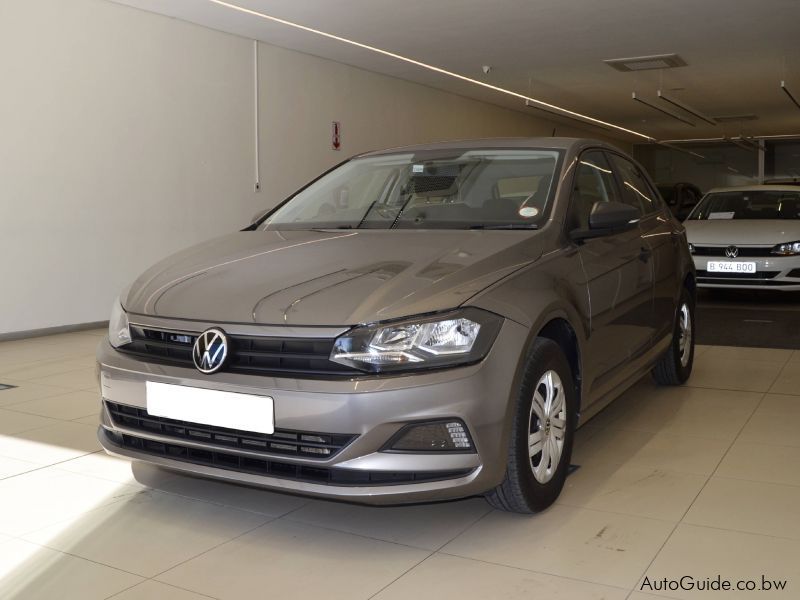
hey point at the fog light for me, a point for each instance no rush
(427, 437)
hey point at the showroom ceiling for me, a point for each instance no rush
(736, 53)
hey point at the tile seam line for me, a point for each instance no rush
(403, 574)
(359, 535)
(47, 466)
(697, 495)
(145, 580)
(523, 569)
(236, 537)
(206, 551)
(760, 481)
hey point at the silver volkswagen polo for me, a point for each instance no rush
(417, 324)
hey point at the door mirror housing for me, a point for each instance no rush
(607, 218)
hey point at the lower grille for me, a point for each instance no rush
(737, 276)
(307, 444)
(277, 469)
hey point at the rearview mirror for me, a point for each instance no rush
(607, 218)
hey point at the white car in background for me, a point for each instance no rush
(747, 238)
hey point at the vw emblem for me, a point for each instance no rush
(210, 350)
(731, 252)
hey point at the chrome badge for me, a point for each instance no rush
(210, 350)
(731, 252)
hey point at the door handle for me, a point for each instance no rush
(645, 254)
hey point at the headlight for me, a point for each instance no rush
(443, 340)
(788, 249)
(119, 332)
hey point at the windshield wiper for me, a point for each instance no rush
(507, 226)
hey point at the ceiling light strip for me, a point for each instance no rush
(562, 111)
(669, 113)
(788, 93)
(685, 108)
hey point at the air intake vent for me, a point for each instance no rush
(644, 63)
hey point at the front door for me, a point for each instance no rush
(619, 278)
(658, 231)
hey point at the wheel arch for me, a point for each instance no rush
(690, 284)
(559, 330)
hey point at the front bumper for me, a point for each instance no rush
(772, 273)
(372, 409)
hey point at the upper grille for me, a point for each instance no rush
(743, 251)
(248, 354)
(308, 444)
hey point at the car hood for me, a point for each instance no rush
(328, 277)
(743, 232)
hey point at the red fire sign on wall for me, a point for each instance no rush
(336, 135)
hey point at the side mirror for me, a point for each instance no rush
(607, 218)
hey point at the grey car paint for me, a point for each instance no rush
(616, 294)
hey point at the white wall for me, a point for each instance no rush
(127, 135)
(301, 95)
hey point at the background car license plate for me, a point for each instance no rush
(211, 407)
(719, 266)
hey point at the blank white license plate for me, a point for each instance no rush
(719, 266)
(211, 407)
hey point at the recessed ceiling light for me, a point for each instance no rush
(542, 104)
(645, 63)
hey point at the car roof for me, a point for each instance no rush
(556, 143)
(756, 188)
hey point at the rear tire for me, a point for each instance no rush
(540, 446)
(675, 365)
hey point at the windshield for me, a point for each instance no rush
(477, 189)
(754, 204)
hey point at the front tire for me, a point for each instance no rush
(675, 365)
(540, 447)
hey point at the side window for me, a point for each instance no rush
(635, 188)
(594, 182)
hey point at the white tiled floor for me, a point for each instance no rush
(698, 480)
